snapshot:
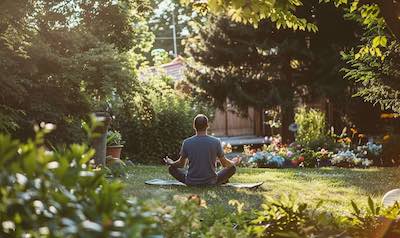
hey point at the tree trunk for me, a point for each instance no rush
(287, 118)
(390, 10)
(287, 107)
(258, 121)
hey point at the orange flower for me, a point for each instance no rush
(347, 140)
(386, 137)
(389, 115)
(361, 135)
(385, 115)
(353, 130)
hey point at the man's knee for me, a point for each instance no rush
(171, 169)
(233, 169)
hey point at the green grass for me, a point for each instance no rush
(336, 187)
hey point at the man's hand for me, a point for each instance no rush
(236, 160)
(168, 161)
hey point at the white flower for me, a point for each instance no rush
(53, 165)
(21, 179)
(8, 226)
(367, 162)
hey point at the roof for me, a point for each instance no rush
(174, 69)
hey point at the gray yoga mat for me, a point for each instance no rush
(164, 182)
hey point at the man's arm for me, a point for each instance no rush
(180, 163)
(226, 163)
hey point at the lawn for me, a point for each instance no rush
(336, 187)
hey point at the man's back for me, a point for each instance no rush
(201, 152)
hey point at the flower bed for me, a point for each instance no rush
(345, 154)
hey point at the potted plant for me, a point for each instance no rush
(114, 144)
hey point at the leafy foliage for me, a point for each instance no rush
(57, 194)
(114, 138)
(165, 14)
(64, 59)
(312, 129)
(374, 67)
(282, 13)
(285, 13)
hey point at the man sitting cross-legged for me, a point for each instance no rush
(202, 151)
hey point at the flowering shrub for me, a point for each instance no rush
(323, 157)
(317, 147)
(267, 160)
(348, 154)
(349, 158)
(374, 149)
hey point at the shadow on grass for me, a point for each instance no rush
(374, 181)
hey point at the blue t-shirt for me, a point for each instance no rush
(202, 153)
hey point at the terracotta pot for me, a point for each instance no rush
(114, 151)
(295, 163)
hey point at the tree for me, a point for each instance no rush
(168, 14)
(252, 67)
(14, 41)
(75, 56)
(267, 67)
(372, 12)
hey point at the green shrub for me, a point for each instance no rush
(57, 194)
(374, 221)
(157, 121)
(312, 131)
(285, 217)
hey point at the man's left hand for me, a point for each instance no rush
(168, 161)
(236, 160)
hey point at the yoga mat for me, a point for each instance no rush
(164, 182)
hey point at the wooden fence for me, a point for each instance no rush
(230, 123)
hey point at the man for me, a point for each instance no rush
(202, 151)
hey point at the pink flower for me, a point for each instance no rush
(301, 159)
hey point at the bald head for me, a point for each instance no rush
(200, 122)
